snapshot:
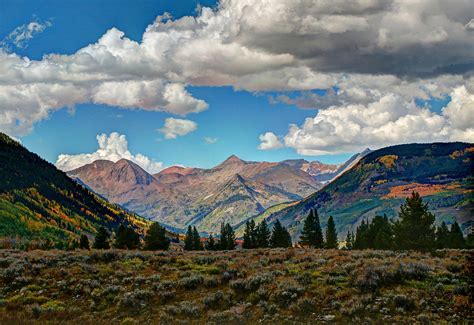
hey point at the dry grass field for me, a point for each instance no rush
(270, 286)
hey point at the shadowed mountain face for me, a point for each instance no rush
(39, 202)
(377, 184)
(230, 192)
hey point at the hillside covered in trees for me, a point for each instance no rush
(442, 173)
(40, 205)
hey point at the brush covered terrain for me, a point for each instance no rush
(289, 286)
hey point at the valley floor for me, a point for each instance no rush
(274, 286)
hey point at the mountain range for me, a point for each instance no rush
(232, 191)
(40, 202)
(380, 181)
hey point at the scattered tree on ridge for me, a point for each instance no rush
(102, 239)
(331, 234)
(155, 238)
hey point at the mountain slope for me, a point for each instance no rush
(379, 182)
(37, 201)
(179, 196)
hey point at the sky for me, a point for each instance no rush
(192, 82)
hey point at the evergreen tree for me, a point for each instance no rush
(380, 233)
(360, 240)
(349, 240)
(318, 232)
(280, 236)
(126, 238)
(249, 235)
(331, 234)
(263, 235)
(456, 238)
(312, 234)
(470, 241)
(156, 239)
(414, 229)
(227, 239)
(84, 242)
(197, 245)
(308, 234)
(442, 236)
(188, 240)
(102, 239)
(211, 245)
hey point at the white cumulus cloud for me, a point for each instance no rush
(389, 120)
(174, 127)
(365, 49)
(112, 147)
(269, 141)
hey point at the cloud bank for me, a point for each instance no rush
(362, 52)
(112, 147)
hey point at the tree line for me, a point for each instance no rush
(226, 240)
(414, 229)
(260, 236)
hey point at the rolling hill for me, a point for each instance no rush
(441, 172)
(230, 192)
(40, 202)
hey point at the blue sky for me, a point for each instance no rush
(219, 72)
(235, 118)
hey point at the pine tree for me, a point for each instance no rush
(102, 239)
(249, 235)
(331, 234)
(442, 236)
(380, 233)
(156, 239)
(349, 240)
(188, 240)
(197, 245)
(126, 238)
(456, 238)
(318, 232)
(84, 242)
(263, 235)
(308, 235)
(414, 229)
(227, 239)
(280, 236)
(360, 240)
(211, 245)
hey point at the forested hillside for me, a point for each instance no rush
(39, 203)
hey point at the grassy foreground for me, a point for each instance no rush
(289, 286)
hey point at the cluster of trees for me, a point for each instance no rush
(312, 234)
(414, 229)
(127, 238)
(226, 241)
(259, 236)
